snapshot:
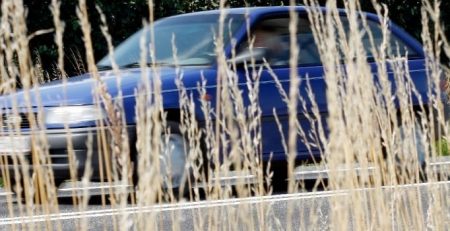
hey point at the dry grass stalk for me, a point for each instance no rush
(364, 125)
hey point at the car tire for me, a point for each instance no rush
(172, 161)
(174, 157)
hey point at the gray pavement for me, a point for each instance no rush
(277, 212)
(309, 210)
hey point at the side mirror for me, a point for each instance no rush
(257, 54)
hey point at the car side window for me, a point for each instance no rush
(309, 53)
(396, 46)
(271, 36)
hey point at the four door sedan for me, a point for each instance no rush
(72, 108)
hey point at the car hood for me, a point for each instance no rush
(80, 90)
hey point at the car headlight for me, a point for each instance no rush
(73, 114)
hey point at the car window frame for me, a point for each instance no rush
(273, 15)
(393, 29)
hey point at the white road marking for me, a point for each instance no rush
(162, 208)
(201, 204)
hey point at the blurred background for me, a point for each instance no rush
(126, 16)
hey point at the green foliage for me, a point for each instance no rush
(442, 148)
(125, 17)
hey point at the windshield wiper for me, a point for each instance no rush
(138, 64)
(104, 67)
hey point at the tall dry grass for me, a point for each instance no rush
(363, 127)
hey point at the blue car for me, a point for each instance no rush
(72, 105)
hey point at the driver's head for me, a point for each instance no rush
(263, 36)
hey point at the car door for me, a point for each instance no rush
(271, 36)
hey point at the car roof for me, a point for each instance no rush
(257, 10)
(254, 10)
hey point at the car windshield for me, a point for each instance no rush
(192, 36)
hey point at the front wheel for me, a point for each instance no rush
(172, 157)
(174, 152)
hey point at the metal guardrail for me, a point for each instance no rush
(439, 165)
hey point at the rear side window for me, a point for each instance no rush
(396, 46)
